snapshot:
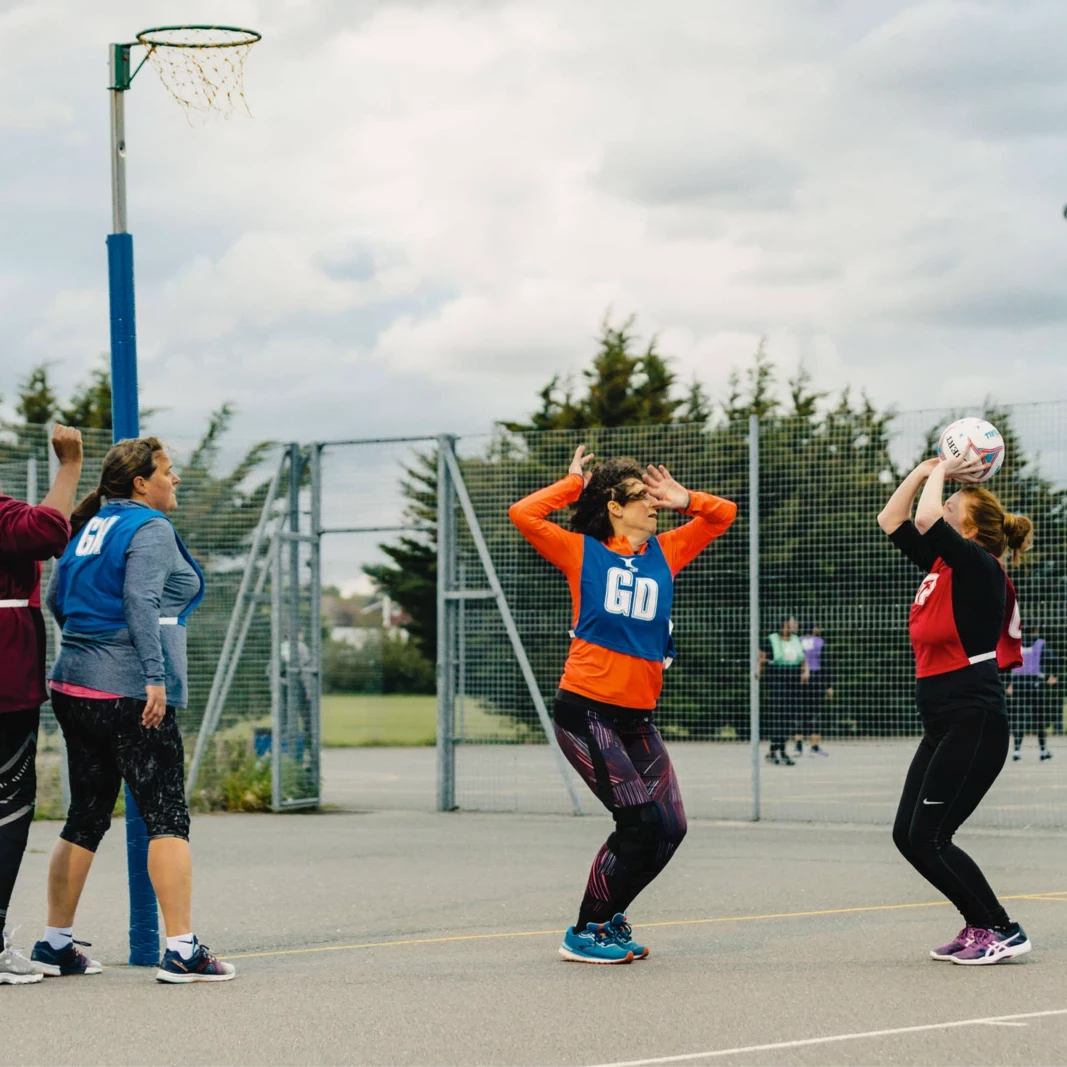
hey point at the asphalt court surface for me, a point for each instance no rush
(418, 938)
(858, 782)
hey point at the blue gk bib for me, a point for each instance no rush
(91, 573)
(626, 601)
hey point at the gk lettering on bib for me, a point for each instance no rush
(92, 537)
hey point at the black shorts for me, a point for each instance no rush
(107, 744)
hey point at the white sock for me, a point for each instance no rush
(59, 937)
(183, 944)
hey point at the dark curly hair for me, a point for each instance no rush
(607, 483)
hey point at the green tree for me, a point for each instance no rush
(627, 384)
(37, 401)
(90, 405)
(411, 580)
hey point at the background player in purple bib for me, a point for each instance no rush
(1032, 695)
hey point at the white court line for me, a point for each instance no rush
(829, 1040)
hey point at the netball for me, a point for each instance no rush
(977, 436)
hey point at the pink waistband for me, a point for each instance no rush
(80, 691)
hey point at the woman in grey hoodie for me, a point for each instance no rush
(122, 592)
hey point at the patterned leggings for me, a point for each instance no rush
(18, 791)
(622, 758)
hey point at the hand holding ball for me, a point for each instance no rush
(972, 449)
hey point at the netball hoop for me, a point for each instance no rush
(202, 67)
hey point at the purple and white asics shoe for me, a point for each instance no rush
(957, 944)
(992, 946)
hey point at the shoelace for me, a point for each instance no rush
(984, 938)
(623, 932)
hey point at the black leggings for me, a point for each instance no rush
(18, 793)
(959, 757)
(1029, 707)
(106, 743)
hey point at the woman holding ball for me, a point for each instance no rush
(964, 627)
(621, 575)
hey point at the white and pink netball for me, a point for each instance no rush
(977, 438)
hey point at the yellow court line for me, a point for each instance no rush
(1053, 895)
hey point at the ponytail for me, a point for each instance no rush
(85, 510)
(998, 530)
(1019, 531)
(126, 461)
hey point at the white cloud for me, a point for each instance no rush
(436, 203)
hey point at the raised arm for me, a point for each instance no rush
(67, 445)
(563, 548)
(897, 510)
(712, 517)
(931, 506)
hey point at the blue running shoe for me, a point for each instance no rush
(202, 967)
(624, 936)
(595, 944)
(53, 963)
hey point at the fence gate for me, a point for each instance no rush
(296, 639)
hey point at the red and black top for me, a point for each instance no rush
(964, 623)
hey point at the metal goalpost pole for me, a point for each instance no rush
(125, 421)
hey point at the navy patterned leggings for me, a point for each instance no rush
(106, 743)
(18, 792)
(621, 757)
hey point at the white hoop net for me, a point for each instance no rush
(201, 67)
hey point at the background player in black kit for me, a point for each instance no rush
(964, 625)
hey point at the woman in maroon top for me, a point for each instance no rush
(964, 626)
(28, 535)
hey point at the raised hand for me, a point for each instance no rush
(965, 468)
(580, 462)
(67, 444)
(664, 490)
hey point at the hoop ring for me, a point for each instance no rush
(145, 37)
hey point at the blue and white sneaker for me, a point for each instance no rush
(202, 967)
(595, 944)
(55, 963)
(624, 936)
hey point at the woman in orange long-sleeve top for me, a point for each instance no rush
(621, 577)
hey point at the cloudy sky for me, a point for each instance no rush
(435, 203)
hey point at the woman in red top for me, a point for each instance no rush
(27, 536)
(965, 628)
(621, 577)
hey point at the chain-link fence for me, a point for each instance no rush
(846, 724)
(221, 503)
(390, 579)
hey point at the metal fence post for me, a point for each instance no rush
(315, 614)
(753, 608)
(446, 555)
(275, 674)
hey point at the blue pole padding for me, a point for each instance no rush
(125, 415)
(126, 422)
(144, 915)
